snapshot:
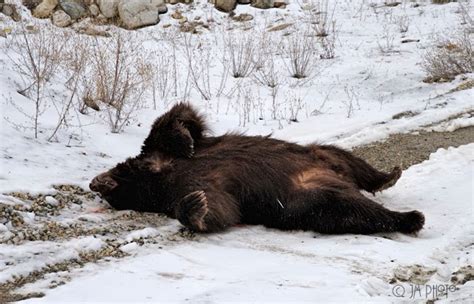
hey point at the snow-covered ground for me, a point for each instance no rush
(254, 264)
(350, 101)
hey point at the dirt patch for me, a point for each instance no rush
(463, 275)
(415, 274)
(68, 214)
(406, 150)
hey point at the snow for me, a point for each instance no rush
(255, 264)
(143, 233)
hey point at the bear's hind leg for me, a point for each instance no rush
(336, 211)
(363, 174)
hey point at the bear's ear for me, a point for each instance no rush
(176, 132)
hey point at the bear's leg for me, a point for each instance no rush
(364, 175)
(208, 211)
(336, 211)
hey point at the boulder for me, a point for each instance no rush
(244, 1)
(225, 5)
(264, 4)
(109, 8)
(74, 8)
(138, 13)
(45, 8)
(61, 19)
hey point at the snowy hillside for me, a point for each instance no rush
(366, 78)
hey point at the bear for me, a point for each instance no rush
(210, 183)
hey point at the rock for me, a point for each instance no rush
(177, 15)
(225, 5)
(10, 11)
(138, 13)
(61, 19)
(279, 4)
(242, 17)
(31, 4)
(94, 10)
(173, 1)
(263, 4)
(45, 8)
(109, 8)
(244, 1)
(74, 8)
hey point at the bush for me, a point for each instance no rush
(449, 58)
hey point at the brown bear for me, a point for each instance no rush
(212, 183)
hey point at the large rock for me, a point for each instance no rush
(244, 1)
(61, 19)
(45, 8)
(109, 8)
(138, 13)
(74, 8)
(225, 5)
(263, 3)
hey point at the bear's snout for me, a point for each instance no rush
(103, 183)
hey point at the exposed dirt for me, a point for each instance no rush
(406, 150)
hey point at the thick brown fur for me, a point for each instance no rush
(211, 183)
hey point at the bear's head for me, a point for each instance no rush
(131, 184)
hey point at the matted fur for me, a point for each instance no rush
(211, 183)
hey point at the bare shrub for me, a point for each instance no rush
(352, 101)
(75, 61)
(403, 23)
(294, 105)
(301, 53)
(321, 16)
(37, 58)
(267, 74)
(385, 41)
(240, 50)
(200, 59)
(162, 78)
(328, 43)
(448, 58)
(121, 74)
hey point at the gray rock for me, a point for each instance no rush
(74, 8)
(138, 13)
(109, 8)
(264, 4)
(61, 19)
(225, 5)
